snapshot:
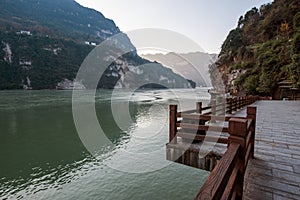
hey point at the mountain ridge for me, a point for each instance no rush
(192, 65)
(44, 42)
(65, 16)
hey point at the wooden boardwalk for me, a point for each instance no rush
(275, 171)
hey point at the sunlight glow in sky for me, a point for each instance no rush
(205, 22)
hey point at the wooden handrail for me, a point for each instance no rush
(188, 111)
(194, 127)
(199, 116)
(231, 104)
(206, 108)
(226, 179)
(216, 183)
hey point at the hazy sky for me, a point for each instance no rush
(207, 22)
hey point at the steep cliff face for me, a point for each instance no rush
(46, 41)
(262, 50)
(64, 18)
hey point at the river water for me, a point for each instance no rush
(43, 157)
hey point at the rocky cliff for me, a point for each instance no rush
(44, 42)
(262, 51)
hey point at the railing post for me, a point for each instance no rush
(235, 101)
(213, 110)
(251, 114)
(223, 106)
(201, 122)
(238, 133)
(213, 106)
(199, 107)
(241, 102)
(172, 125)
(229, 102)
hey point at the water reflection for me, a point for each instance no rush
(41, 153)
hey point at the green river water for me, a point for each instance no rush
(42, 156)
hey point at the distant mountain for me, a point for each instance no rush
(55, 17)
(193, 66)
(44, 42)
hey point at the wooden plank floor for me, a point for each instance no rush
(275, 171)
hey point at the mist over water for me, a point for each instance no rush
(42, 156)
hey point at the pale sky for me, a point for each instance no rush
(207, 22)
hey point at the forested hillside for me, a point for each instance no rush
(44, 42)
(45, 61)
(263, 50)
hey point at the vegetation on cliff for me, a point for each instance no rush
(262, 50)
(44, 42)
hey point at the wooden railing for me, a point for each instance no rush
(189, 122)
(226, 178)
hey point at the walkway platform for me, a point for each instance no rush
(275, 171)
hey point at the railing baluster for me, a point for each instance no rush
(199, 107)
(172, 125)
(251, 114)
(229, 102)
(235, 103)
